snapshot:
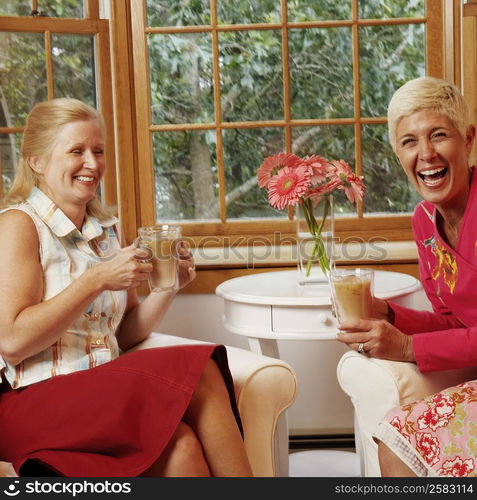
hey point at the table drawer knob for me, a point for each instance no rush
(325, 319)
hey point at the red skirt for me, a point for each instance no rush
(112, 420)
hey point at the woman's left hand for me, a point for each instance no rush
(185, 267)
(378, 339)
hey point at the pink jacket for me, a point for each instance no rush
(446, 338)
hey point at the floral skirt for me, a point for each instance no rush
(437, 435)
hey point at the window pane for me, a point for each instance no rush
(244, 151)
(334, 142)
(318, 10)
(385, 9)
(251, 75)
(387, 187)
(181, 78)
(73, 67)
(22, 74)
(185, 172)
(177, 13)
(248, 12)
(15, 8)
(9, 155)
(389, 55)
(321, 88)
(62, 8)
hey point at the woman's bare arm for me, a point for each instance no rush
(28, 324)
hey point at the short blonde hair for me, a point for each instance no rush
(42, 125)
(427, 93)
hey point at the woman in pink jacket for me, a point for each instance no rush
(430, 133)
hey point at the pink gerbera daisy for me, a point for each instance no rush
(273, 164)
(316, 193)
(319, 166)
(351, 184)
(288, 186)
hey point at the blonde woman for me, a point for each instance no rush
(70, 404)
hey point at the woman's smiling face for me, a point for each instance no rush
(434, 156)
(71, 173)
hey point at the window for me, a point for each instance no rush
(203, 90)
(51, 49)
(220, 84)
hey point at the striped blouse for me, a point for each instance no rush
(65, 254)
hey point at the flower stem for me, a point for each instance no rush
(319, 251)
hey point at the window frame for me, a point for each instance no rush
(391, 227)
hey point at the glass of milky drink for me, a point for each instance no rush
(161, 241)
(352, 291)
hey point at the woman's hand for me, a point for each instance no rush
(379, 339)
(185, 267)
(124, 271)
(143, 317)
(381, 310)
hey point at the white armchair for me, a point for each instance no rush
(264, 388)
(375, 386)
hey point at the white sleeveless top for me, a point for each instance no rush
(65, 254)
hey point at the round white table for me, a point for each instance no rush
(267, 307)
(272, 306)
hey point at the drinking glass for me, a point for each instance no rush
(161, 241)
(352, 293)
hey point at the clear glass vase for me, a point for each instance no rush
(315, 240)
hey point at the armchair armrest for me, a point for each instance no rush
(264, 388)
(375, 386)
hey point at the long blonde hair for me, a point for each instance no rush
(430, 93)
(39, 136)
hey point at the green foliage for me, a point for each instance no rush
(251, 87)
(251, 75)
(73, 67)
(61, 8)
(386, 9)
(15, 8)
(177, 12)
(324, 10)
(389, 56)
(388, 190)
(50, 8)
(251, 12)
(315, 91)
(23, 76)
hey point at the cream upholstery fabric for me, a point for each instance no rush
(375, 386)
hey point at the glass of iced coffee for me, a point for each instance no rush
(161, 241)
(352, 293)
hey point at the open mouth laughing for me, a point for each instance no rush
(433, 177)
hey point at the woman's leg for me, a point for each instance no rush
(182, 457)
(391, 465)
(211, 417)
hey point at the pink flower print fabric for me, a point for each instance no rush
(442, 430)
